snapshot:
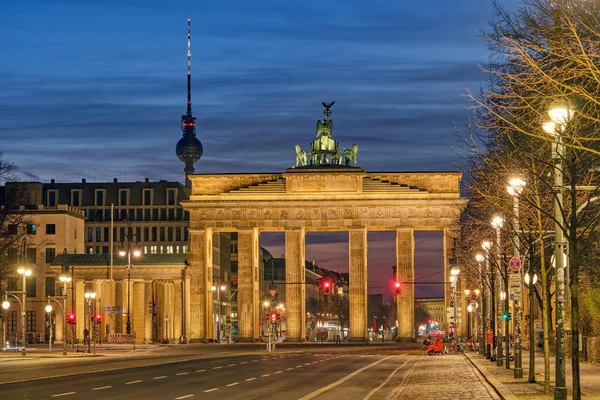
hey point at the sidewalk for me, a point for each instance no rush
(503, 380)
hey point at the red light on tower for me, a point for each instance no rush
(397, 287)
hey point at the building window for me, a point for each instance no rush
(163, 214)
(170, 233)
(76, 198)
(185, 233)
(169, 249)
(50, 254)
(178, 233)
(155, 214)
(12, 229)
(234, 248)
(12, 283)
(138, 233)
(31, 286)
(153, 249)
(146, 234)
(99, 195)
(234, 266)
(154, 234)
(104, 249)
(50, 229)
(11, 322)
(131, 214)
(122, 234)
(31, 255)
(106, 232)
(50, 286)
(31, 321)
(51, 199)
(177, 249)
(147, 196)
(171, 195)
(179, 214)
(107, 214)
(12, 255)
(123, 197)
(31, 229)
(98, 234)
(162, 233)
(161, 248)
(123, 214)
(90, 249)
(184, 249)
(145, 249)
(90, 235)
(139, 215)
(147, 215)
(171, 214)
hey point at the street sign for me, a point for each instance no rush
(514, 264)
(273, 293)
(107, 308)
(514, 286)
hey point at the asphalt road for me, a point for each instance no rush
(301, 375)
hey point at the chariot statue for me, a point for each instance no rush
(324, 150)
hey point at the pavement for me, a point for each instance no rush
(511, 388)
(390, 371)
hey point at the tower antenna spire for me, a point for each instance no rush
(189, 69)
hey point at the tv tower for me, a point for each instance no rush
(189, 149)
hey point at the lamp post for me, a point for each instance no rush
(483, 310)
(65, 278)
(515, 189)
(89, 297)
(490, 307)
(128, 251)
(218, 288)
(25, 272)
(6, 306)
(560, 113)
(497, 223)
(454, 271)
(531, 280)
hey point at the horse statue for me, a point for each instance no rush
(350, 155)
(301, 156)
(336, 158)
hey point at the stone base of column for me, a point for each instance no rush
(197, 341)
(359, 340)
(246, 340)
(294, 340)
(406, 340)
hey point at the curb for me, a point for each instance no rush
(498, 386)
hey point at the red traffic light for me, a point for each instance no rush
(327, 285)
(71, 318)
(274, 317)
(98, 318)
(397, 287)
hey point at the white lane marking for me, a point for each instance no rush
(160, 377)
(218, 367)
(342, 380)
(211, 390)
(200, 370)
(372, 392)
(250, 379)
(288, 369)
(314, 362)
(182, 373)
(62, 394)
(278, 372)
(262, 376)
(102, 388)
(245, 362)
(321, 360)
(231, 365)
(184, 397)
(233, 384)
(298, 366)
(132, 382)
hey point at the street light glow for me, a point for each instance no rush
(454, 271)
(560, 112)
(526, 279)
(122, 253)
(48, 308)
(497, 222)
(479, 257)
(486, 245)
(5, 304)
(515, 186)
(137, 253)
(21, 270)
(467, 292)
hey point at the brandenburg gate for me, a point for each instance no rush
(322, 194)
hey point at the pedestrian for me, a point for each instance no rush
(86, 336)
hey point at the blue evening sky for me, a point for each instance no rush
(95, 88)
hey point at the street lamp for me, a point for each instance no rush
(530, 280)
(219, 288)
(454, 271)
(89, 297)
(490, 307)
(497, 223)
(25, 272)
(560, 113)
(515, 189)
(128, 251)
(482, 313)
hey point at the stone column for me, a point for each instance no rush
(177, 317)
(405, 270)
(80, 309)
(118, 302)
(186, 303)
(248, 315)
(200, 259)
(138, 310)
(147, 312)
(295, 289)
(448, 253)
(357, 254)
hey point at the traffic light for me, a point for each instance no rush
(98, 318)
(397, 287)
(71, 318)
(273, 317)
(327, 284)
(506, 316)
